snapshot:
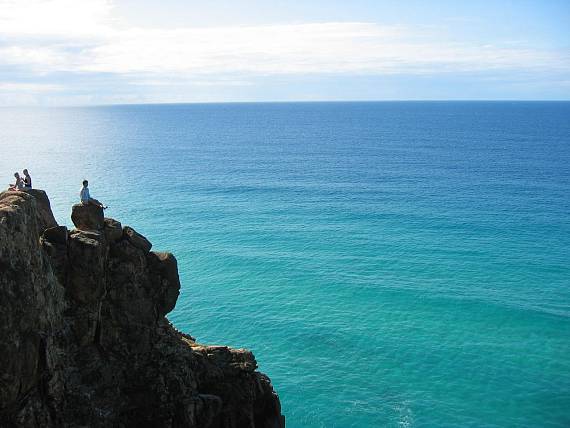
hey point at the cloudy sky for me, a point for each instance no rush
(83, 52)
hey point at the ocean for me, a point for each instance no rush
(390, 264)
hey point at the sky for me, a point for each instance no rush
(92, 52)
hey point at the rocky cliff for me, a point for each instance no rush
(84, 341)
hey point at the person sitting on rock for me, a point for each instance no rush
(18, 185)
(86, 199)
(27, 179)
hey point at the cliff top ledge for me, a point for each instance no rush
(84, 341)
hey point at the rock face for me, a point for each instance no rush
(87, 217)
(84, 341)
(45, 216)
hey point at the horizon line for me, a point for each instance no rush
(516, 100)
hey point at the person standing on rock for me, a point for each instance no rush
(27, 179)
(86, 198)
(18, 184)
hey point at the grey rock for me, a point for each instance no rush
(56, 235)
(163, 268)
(137, 239)
(54, 244)
(87, 217)
(44, 213)
(113, 230)
(84, 340)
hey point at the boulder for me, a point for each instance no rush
(113, 230)
(44, 214)
(88, 259)
(87, 217)
(54, 243)
(137, 239)
(164, 270)
(56, 235)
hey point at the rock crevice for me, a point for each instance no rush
(84, 340)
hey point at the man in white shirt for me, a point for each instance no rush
(86, 199)
(19, 185)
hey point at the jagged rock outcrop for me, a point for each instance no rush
(84, 341)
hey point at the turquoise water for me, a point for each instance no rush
(390, 264)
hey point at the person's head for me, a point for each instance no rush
(26, 172)
(16, 175)
(85, 183)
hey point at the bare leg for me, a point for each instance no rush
(96, 203)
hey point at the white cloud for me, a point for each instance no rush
(43, 58)
(24, 93)
(275, 49)
(190, 82)
(29, 87)
(65, 18)
(43, 36)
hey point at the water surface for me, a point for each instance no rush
(390, 264)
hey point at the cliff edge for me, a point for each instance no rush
(84, 341)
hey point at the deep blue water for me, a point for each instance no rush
(399, 264)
